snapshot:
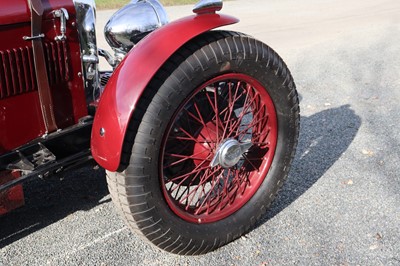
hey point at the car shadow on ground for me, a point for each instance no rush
(324, 137)
(48, 201)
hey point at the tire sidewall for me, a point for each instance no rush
(197, 70)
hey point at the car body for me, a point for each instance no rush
(24, 132)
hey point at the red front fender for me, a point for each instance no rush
(130, 79)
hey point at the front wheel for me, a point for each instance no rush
(211, 144)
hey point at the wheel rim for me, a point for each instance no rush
(199, 184)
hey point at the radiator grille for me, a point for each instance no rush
(17, 73)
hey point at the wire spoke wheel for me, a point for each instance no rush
(232, 107)
(210, 144)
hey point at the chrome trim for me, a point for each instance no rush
(86, 24)
(61, 13)
(229, 153)
(28, 38)
(155, 8)
(132, 22)
(110, 59)
(102, 132)
(208, 6)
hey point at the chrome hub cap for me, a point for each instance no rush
(230, 153)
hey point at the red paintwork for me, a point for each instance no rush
(16, 130)
(13, 12)
(12, 198)
(201, 149)
(130, 79)
(18, 11)
(20, 116)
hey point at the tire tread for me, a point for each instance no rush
(130, 199)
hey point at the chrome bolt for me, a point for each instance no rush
(102, 132)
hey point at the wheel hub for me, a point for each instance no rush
(205, 143)
(229, 153)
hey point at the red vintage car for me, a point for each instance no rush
(196, 127)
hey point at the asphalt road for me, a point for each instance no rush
(341, 204)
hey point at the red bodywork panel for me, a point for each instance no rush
(21, 119)
(130, 79)
(13, 12)
(18, 11)
(13, 197)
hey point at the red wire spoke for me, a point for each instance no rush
(177, 178)
(244, 112)
(216, 107)
(183, 193)
(185, 139)
(231, 106)
(195, 117)
(202, 183)
(248, 126)
(184, 180)
(261, 143)
(244, 181)
(202, 120)
(222, 195)
(226, 109)
(189, 135)
(184, 158)
(207, 197)
(195, 190)
(216, 116)
(253, 125)
(200, 167)
(249, 161)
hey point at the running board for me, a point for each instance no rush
(50, 154)
(51, 168)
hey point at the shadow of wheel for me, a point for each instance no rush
(324, 137)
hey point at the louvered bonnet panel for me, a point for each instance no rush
(17, 71)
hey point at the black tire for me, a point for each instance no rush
(138, 190)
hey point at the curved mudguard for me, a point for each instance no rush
(131, 78)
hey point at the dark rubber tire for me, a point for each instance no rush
(137, 190)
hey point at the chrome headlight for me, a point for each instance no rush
(132, 22)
